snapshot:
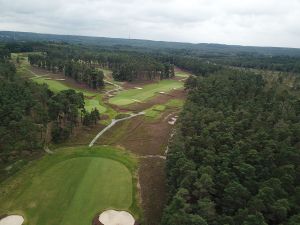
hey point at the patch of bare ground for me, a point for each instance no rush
(82, 135)
(134, 84)
(139, 135)
(153, 188)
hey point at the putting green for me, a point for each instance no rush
(135, 95)
(71, 186)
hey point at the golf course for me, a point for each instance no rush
(130, 96)
(72, 186)
(103, 170)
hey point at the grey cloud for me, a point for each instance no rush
(247, 22)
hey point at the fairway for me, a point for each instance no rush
(71, 186)
(133, 95)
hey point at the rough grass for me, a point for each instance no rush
(133, 95)
(71, 186)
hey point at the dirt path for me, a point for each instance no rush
(152, 156)
(118, 87)
(113, 122)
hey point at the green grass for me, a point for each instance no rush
(131, 96)
(54, 85)
(71, 186)
(182, 74)
(156, 111)
(94, 103)
(175, 103)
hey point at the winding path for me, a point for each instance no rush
(118, 87)
(113, 122)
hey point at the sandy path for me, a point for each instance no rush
(113, 122)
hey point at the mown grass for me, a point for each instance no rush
(135, 95)
(71, 186)
(156, 111)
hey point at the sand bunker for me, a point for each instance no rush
(12, 220)
(172, 121)
(139, 88)
(113, 217)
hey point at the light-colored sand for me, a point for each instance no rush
(139, 88)
(172, 121)
(12, 220)
(113, 217)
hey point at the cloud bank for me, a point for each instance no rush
(245, 22)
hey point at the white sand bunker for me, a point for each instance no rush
(12, 220)
(113, 217)
(172, 121)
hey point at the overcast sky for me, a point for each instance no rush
(246, 22)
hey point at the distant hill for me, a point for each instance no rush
(201, 48)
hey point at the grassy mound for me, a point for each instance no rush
(71, 186)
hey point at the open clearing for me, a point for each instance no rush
(127, 97)
(71, 186)
(181, 73)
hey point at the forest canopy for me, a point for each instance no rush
(235, 158)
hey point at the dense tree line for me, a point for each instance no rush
(82, 63)
(78, 70)
(27, 109)
(195, 65)
(235, 158)
(275, 63)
